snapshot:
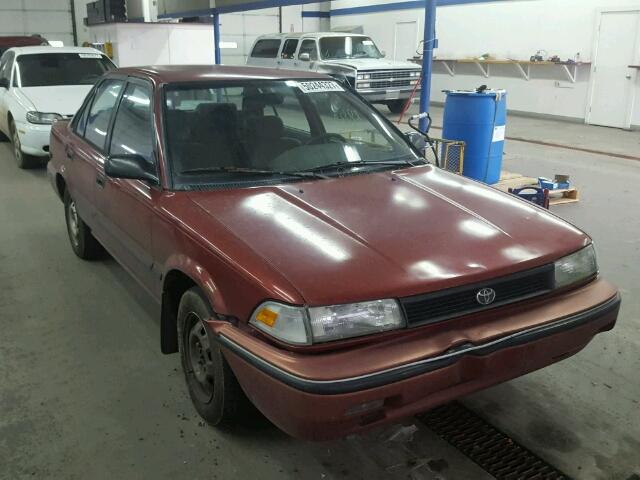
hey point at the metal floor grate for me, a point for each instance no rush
(494, 451)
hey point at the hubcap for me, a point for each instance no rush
(74, 229)
(17, 149)
(198, 355)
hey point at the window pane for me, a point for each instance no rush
(309, 46)
(132, 133)
(47, 69)
(289, 48)
(100, 114)
(80, 118)
(266, 49)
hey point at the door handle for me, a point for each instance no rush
(100, 179)
(70, 153)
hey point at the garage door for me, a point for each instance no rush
(49, 18)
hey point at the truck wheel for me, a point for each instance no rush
(213, 388)
(22, 159)
(396, 106)
(83, 243)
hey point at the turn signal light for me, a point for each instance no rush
(268, 317)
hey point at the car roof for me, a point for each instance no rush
(22, 40)
(310, 35)
(49, 49)
(204, 73)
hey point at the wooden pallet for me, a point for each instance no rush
(516, 180)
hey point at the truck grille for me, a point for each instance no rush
(452, 302)
(389, 78)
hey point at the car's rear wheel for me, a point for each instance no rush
(396, 106)
(22, 159)
(83, 243)
(213, 388)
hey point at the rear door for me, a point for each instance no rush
(127, 205)
(86, 150)
(6, 65)
(288, 58)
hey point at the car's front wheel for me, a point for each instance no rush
(396, 106)
(83, 243)
(213, 388)
(22, 159)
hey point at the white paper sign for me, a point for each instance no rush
(499, 133)
(319, 86)
(89, 55)
(367, 42)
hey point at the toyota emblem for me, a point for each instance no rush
(486, 296)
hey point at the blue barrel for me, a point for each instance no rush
(479, 119)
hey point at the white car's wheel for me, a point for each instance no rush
(22, 159)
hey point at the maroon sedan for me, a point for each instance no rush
(308, 259)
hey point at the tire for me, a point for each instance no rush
(213, 388)
(83, 243)
(22, 159)
(396, 106)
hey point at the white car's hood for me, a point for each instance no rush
(373, 64)
(65, 99)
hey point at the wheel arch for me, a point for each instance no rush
(61, 185)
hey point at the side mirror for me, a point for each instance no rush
(417, 140)
(4, 83)
(305, 57)
(133, 167)
(383, 53)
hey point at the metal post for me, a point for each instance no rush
(428, 45)
(216, 37)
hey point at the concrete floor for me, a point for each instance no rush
(86, 393)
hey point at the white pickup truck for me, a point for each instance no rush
(351, 57)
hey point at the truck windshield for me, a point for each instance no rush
(348, 47)
(52, 69)
(253, 130)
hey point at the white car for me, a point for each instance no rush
(351, 57)
(39, 85)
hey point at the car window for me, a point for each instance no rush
(100, 114)
(6, 64)
(267, 48)
(289, 48)
(79, 122)
(50, 69)
(132, 129)
(309, 46)
(348, 46)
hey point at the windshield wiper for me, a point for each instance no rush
(359, 163)
(303, 174)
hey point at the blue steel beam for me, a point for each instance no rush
(428, 45)
(216, 38)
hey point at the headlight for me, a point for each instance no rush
(576, 267)
(415, 74)
(364, 76)
(304, 326)
(42, 118)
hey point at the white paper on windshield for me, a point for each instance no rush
(320, 86)
(499, 133)
(89, 55)
(367, 42)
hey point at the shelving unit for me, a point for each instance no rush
(523, 67)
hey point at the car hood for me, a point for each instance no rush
(65, 99)
(389, 234)
(373, 64)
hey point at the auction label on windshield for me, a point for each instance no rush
(89, 55)
(320, 86)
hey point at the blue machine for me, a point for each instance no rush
(479, 119)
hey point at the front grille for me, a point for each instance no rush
(452, 302)
(391, 83)
(386, 74)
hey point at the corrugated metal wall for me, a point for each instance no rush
(49, 18)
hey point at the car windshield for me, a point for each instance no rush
(52, 69)
(348, 47)
(248, 130)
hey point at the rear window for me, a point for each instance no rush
(266, 48)
(50, 69)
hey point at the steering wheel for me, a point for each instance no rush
(326, 138)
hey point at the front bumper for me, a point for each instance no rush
(289, 389)
(34, 138)
(387, 95)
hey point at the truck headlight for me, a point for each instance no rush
(364, 76)
(576, 267)
(303, 326)
(41, 118)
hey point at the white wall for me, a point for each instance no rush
(156, 44)
(506, 29)
(50, 18)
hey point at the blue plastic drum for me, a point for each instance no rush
(479, 119)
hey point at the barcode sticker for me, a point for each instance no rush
(320, 86)
(499, 133)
